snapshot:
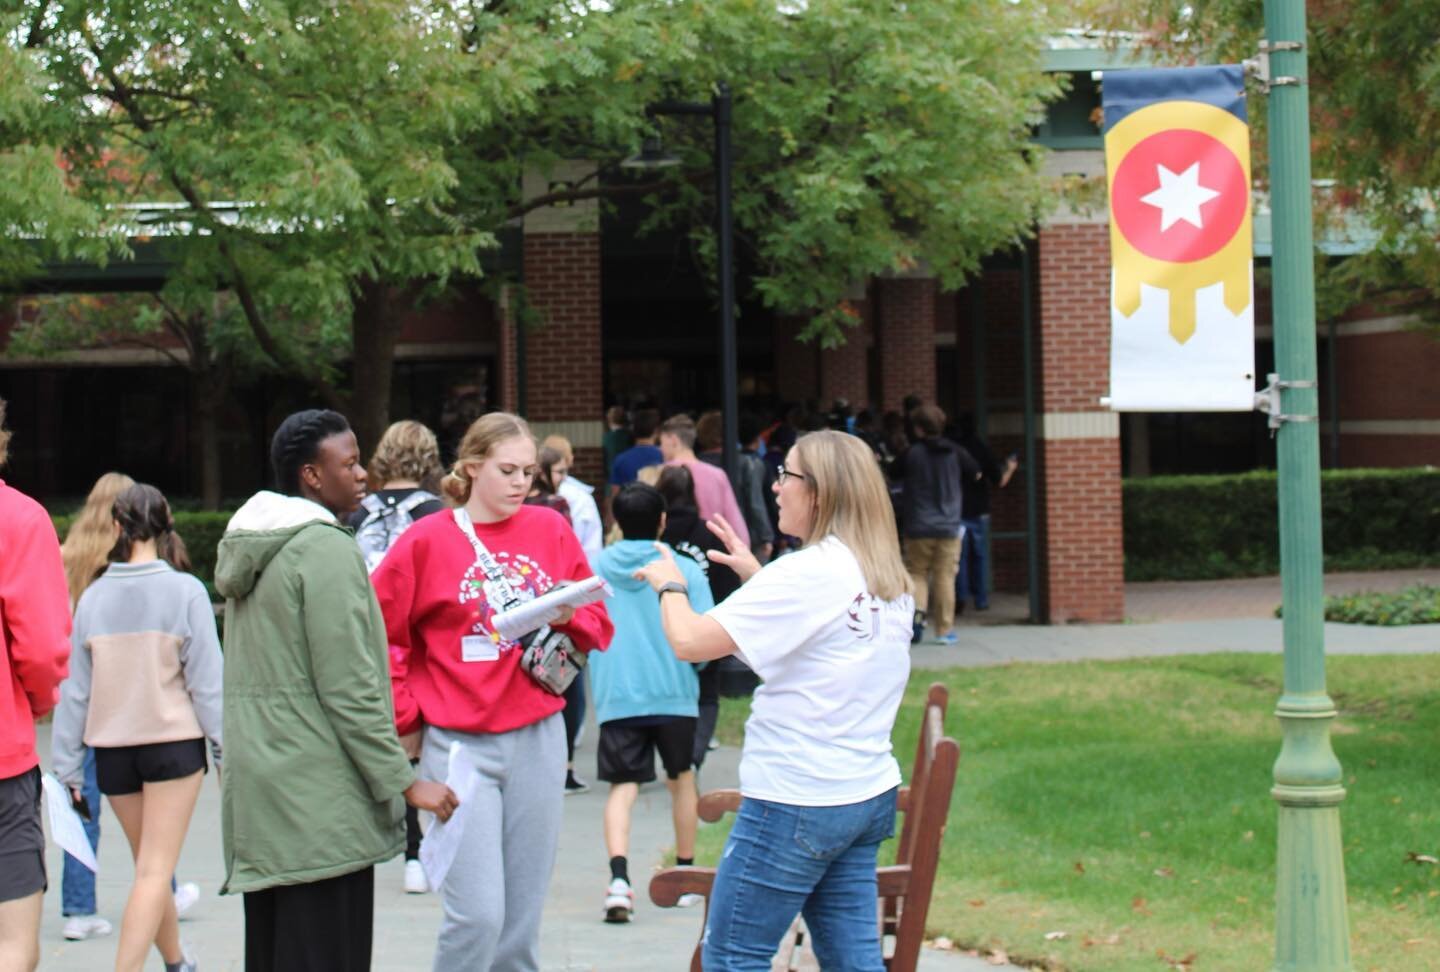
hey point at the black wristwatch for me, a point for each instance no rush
(675, 586)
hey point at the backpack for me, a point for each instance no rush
(384, 522)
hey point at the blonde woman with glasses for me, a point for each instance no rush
(827, 629)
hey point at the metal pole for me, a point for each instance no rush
(729, 370)
(1312, 930)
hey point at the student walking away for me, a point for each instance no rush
(314, 772)
(687, 534)
(457, 681)
(617, 436)
(645, 697)
(934, 470)
(750, 483)
(584, 513)
(34, 651)
(972, 577)
(404, 474)
(404, 479)
(827, 628)
(645, 451)
(144, 694)
(712, 486)
(85, 552)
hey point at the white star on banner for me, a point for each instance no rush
(1179, 197)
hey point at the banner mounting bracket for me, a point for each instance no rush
(1267, 400)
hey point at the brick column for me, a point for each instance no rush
(905, 335)
(563, 361)
(1081, 548)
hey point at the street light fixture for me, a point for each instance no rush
(653, 156)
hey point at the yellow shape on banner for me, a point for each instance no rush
(1228, 265)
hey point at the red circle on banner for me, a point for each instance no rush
(1138, 175)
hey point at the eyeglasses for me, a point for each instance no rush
(785, 474)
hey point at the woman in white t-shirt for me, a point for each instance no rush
(828, 630)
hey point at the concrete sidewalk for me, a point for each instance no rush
(575, 937)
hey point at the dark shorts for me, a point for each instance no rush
(121, 770)
(627, 751)
(22, 841)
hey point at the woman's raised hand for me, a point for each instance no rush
(661, 570)
(737, 555)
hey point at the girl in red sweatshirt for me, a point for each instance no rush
(458, 680)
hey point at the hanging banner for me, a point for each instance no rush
(1182, 308)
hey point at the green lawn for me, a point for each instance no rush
(1126, 804)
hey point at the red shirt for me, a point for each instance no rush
(433, 594)
(34, 626)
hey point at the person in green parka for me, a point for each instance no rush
(314, 772)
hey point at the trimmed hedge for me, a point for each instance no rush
(201, 532)
(1414, 605)
(1215, 527)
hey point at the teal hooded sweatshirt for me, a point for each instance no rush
(639, 675)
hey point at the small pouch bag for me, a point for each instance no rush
(547, 656)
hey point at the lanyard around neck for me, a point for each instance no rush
(487, 562)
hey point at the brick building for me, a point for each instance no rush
(1024, 348)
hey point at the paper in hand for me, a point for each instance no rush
(516, 623)
(442, 840)
(66, 827)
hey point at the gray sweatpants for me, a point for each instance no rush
(495, 891)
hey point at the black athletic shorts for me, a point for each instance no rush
(125, 769)
(22, 842)
(627, 748)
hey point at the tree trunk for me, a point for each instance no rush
(207, 417)
(375, 332)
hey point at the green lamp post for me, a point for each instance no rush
(1312, 931)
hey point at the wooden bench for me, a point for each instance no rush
(905, 886)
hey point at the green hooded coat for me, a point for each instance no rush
(313, 768)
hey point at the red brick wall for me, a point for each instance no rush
(1389, 375)
(845, 371)
(562, 354)
(1081, 531)
(905, 336)
(1083, 574)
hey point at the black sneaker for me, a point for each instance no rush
(573, 784)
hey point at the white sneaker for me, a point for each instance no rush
(80, 927)
(415, 882)
(188, 962)
(619, 902)
(186, 894)
(689, 900)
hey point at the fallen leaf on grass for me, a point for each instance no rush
(942, 944)
(976, 902)
(1079, 867)
(1183, 964)
(1164, 872)
(998, 957)
(1413, 858)
(1056, 936)
(1140, 905)
(1089, 942)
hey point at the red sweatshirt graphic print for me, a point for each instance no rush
(448, 667)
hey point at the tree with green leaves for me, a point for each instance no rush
(1375, 120)
(334, 164)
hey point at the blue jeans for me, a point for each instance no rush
(970, 578)
(77, 882)
(782, 860)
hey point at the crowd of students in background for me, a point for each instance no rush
(352, 671)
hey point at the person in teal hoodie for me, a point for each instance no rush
(645, 698)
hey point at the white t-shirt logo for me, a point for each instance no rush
(863, 616)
